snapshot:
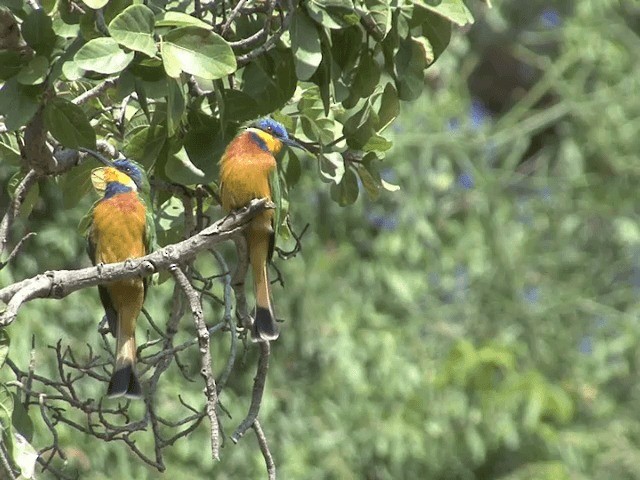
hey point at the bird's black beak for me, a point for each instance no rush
(292, 143)
(97, 156)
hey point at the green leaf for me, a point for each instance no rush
(18, 103)
(453, 10)
(370, 182)
(198, 52)
(180, 169)
(30, 201)
(6, 411)
(389, 107)
(410, 62)
(35, 72)
(378, 143)
(239, 106)
(436, 29)
(359, 128)
(292, 169)
(133, 28)
(331, 166)
(95, 4)
(305, 44)
(20, 419)
(334, 14)
(69, 124)
(345, 192)
(271, 80)
(9, 149)
(175, 105)
(102, 55)
(37, 30)
(11, 62)
(366, 78)
(178, 19)
(390, 187)
(4, 346)
(378, 18)
(76, 183)
(145, 144)
(25, 456)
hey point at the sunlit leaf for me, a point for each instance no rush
(4, 345)
(305, 43)
(102, 55)
(198, 52)
(454, 10)
(133, 28)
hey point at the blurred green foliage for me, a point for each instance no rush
(480, 323)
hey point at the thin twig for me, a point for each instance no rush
(264, 448)
(258, 390)
(19, 196)
(95, 91)
(205, 354)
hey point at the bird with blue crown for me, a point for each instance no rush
(121, 227)
(248, 171)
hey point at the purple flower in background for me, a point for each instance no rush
(550, 18)
(465, 180)
(531, 294)
(586, 345)
(383, 222)
(478, 113)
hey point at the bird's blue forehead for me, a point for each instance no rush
(271, 126)
(129, 168)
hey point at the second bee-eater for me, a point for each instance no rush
(248, 170)
(121, 227)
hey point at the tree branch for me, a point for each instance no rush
(205, 354)
(19, 196)
(264, 448)
(258, 390)
(60, 283)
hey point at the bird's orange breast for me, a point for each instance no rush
(118, 229)
(244, 172)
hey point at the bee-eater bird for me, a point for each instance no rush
(121, 227)
(248, 170)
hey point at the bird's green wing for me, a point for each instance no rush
(276, 198)
(150, 242)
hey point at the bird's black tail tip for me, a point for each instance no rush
(265, 328)
(124, 382)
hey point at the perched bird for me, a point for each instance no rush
(120, 227)
(248, 171)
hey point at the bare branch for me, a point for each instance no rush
(258, 390)
(205, 354)
(264, 448)
(60, 283)
(271, 41)
(95, 91)
(232, 16)
(17, 249)
(19, 197)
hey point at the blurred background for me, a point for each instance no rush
(479, 323)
